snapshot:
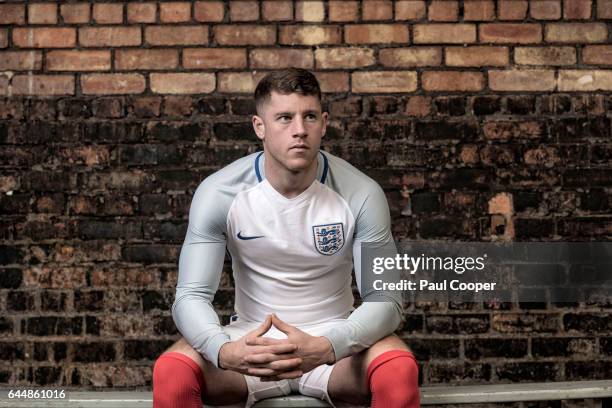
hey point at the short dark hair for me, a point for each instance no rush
(287, 81)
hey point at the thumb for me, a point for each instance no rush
(280, 325)
(263, 328)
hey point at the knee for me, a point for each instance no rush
(176, 378)
(394, 377)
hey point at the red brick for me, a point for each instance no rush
(108, 13)
(523, 80)
(576, 32)
(78, 60)
(545, 9)
(3, 91)
(310, 35)
(75, 13)
(585, 80)
(545, 55)
(43, 85)
(443, 10)
(597, 54)
(214, 58)
(333, 82)
(376, 33)
(149, 59)
(178, 83)
(141, 12)
(44, 37)
(577, 9)
(479, 10)
(418, 106)
(452, 81)
(244, 10)
(444, 33)
(175, 12)
(410, 57)
(209, 11)
(20, 60)
(3, 38)
(384, 82)
(109, 36)
(377, 10)
(477, 56)
(311, 11)
(176, 35)
(344, 57)
(238, 82)
(104, 84)
(343, 10)
(505, 33)
(277, 10)
(12, 14)
(42, 13)
(409, 9)
(273, 58)
(604, 9)
(512, 9)
(245, 34)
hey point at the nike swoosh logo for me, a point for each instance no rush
(240, 236)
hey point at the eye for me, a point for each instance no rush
(284, 118)
(311, 116)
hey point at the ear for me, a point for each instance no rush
(324, 117)
(259, 127)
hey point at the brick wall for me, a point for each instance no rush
(481, 119)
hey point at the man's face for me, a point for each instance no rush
(291, 127)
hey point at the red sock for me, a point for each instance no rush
(177, 382)
(394, 380)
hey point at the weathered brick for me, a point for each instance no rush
(109, 36)
(310, 35)
(141, 12)
(145, 349)
(443, 10)
(208, 58)
(108, 13)
(452, 81)
(410, 57)
(545, 9)
(3, 38)
(149, 59)
(512, 9)
(577, 9)
(176, 35)
(20, 60)
(4, 83)
(344, 57)
(604, 9)
(511, 33)
(12, 13)
(375, 33)
(94, 352)
(384, 81)
(178, 83)
(43, 85)
(495, 347)
(75, 13)
(44, 37)
(209, 11)
(42, 13)
(107, 107)
(506, 130)
(333, 82)
(576, 32)
(523, 80)
(377, 10)
(245, 34)
(527, 371)
(277, 10)
(78, 60)
(477, 56)
(597, 54)
(418, 106)
(175, 12)
(343, 10)
(238, 82)
(520, 105)
(310, 11)
(479, 10)
(243, 10)
(585, 80)
(545, 55)
(410, 9)
(103, 84)
(444, 33)
(272, 58)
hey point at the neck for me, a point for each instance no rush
(289, 183)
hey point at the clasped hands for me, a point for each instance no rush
(276, 359)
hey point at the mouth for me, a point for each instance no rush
(299, 147)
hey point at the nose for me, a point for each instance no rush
(299, 129)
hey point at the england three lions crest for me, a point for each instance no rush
(328, 238)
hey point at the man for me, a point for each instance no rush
(292, 219)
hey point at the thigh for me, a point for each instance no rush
(348, 381)
(229, 386)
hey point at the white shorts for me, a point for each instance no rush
(312, 384)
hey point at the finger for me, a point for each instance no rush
(265, 341)
(276, 349)
(265, 358)
(262, 329)
(280, 325)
